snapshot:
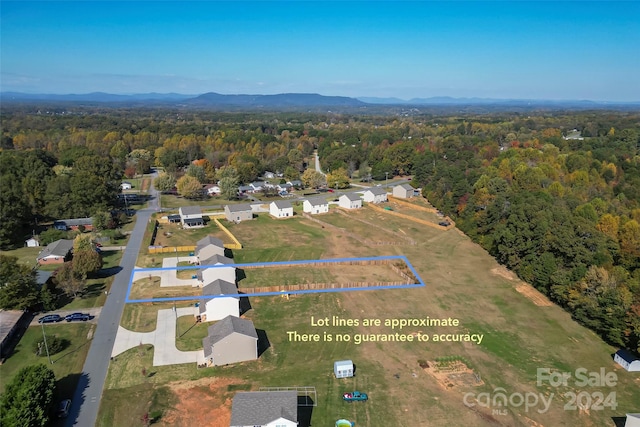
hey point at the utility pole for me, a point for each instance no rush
(386, 179)
(46, 347)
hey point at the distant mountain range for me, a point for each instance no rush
(293, 101)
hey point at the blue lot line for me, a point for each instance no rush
(275, 264)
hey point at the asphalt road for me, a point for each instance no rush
(86, 400)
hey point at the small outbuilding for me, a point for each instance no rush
(633, 420)
(404, 191)
(350, 201)
(238, 213)
(316, 205)
(627, 360)
(126, 186)
(281, 209)
(32, 242)
(231, 340)
(375, 195)
(343, 369)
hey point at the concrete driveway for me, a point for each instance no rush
(169, 278)
(163, 340)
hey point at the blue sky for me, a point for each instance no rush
(535, 50)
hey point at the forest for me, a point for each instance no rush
(552, 195)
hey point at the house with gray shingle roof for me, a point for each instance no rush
(404, 191)
(191, 216)
(216, 267)
(265, 409)
(316, 205)
(281, 209)
(207, 247)
(350, 201)
(225, 301)
(73, 224)
(238, 213)
(56, 252)
(375, 195)
(230, 340)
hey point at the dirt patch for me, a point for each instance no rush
(502, 271)
(205, 402)
(456, 374)
(534, 295)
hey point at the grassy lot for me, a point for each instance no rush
(67, 364)
(189, 334)
(188, 236)
(145, 288)
(463, 282)
(26, 256)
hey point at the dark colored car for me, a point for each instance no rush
(77, 316)
(444, 223)
(63, 408)
(50, 318)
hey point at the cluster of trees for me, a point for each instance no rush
(28, 399)
(561, 212)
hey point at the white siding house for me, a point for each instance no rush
(230, 340)
(207, 247)
(633, 420)
(403, 191)
(281, 209)
(226, 301)
(375, 195)
(126, 186)
(32, 242)
(316, 205)
(350, 201)
(191, 216)
(343, 369)
(216, 268)
(238, 213)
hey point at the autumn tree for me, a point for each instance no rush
(338, 179)
(165, 182)
(313, 179)
(228, 182)
(189, 187)
(18, 287)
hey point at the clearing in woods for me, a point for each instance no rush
(519, 337)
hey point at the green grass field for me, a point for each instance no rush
(518, 338)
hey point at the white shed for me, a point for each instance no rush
(627, 360)
(343, 368)
(32, 242)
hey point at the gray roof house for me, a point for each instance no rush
(215, 267)
(238, 213)
(56, 252)
(403, 191)
(73, 224)
(315, 205)
(230, 340)
(207, 247)
(265, 409)
(191, 216)
(627, 360)
(375, 195)
(350, 201)
(226, 301)
(281, 209)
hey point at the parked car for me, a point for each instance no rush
(63, 408)
(444, 223)
(50, 318)
(77, 316)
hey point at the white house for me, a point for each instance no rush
(265, 409)
(212, 189)
(281, 209)
(627, 360)
(217, 267)
(126, 186)
(226, 301)
(32, 242)
(316, 205)
(375, 195)
(191, 216)
(284, 188)
(343, 369)
(350, 201)
(403, 191)
(230, 340)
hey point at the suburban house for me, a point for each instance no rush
(627, 360)
(243, 189)
(238, 213)
(211, 189)
(191, 216)
(296, 183)
(73, 224)
(350, 201)
(269, 175)
(375, 195)
(317, 205)
(207, 247)
(226, 303)
(216, 267)
(403, 191)
(260, 185)
(265, 409)
(281, 209)
(56, 252)
(284, 188)
(126, 186)
(32, 242)
(230, 340)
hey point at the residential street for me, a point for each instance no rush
(86, 400)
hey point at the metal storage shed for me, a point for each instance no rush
(343, 368)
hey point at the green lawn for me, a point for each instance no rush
(25, 255)
(67, 364)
